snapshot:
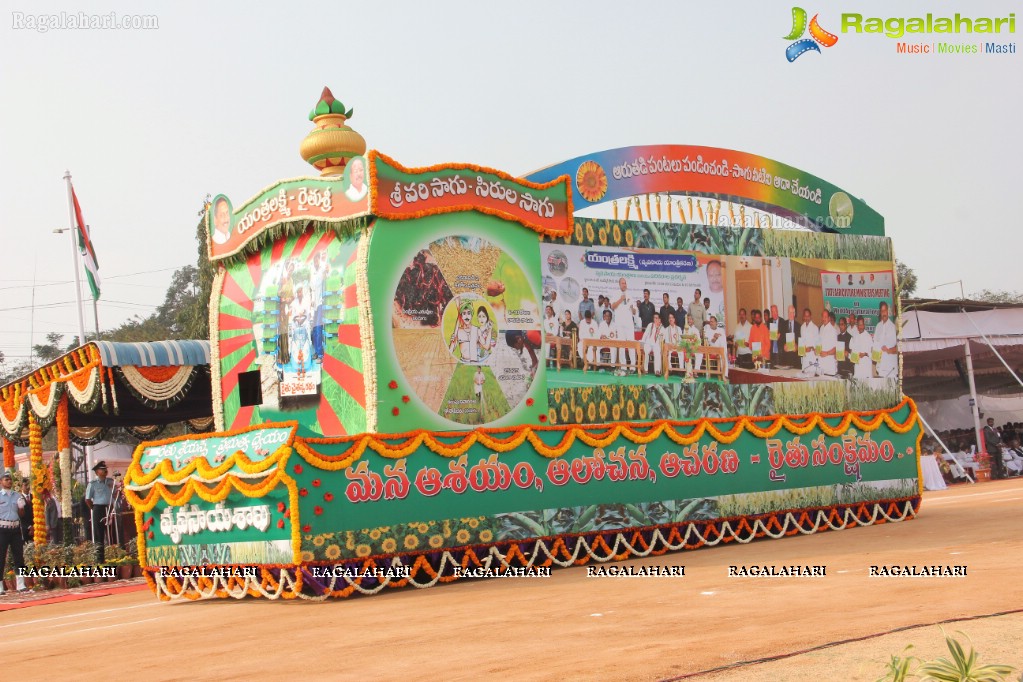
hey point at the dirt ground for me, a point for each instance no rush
(570, 626)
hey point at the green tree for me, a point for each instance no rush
(51, 350)
(907, 279)
(991, 296)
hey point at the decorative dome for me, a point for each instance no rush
(330, 145)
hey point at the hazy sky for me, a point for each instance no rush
(215, 100)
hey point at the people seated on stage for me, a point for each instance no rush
(715, 336)
(955, 470)
(652, 340)
(672, 336)
(743, 354)
(607, 330)
(968, 460)
(829, 346)
(694, 332)
(886, 343)
(859, 351)
(587, 330)
(760, 338)
(845, 366)
(1012, 456)
(809, 339)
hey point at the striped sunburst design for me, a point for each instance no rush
(342, 403)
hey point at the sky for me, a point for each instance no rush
(215, 100)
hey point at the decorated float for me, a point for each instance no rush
(395, 407)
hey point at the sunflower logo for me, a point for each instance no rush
(363, 551)
(333, 552)
(436, 541)
(591, 181)
(389, 545)
(411, 541)
(462, 536)
(486, 535)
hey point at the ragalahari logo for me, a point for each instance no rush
(818, 36)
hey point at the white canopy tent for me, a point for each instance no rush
(961, 358)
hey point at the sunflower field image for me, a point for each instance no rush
(399, 538)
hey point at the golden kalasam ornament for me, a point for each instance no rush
(332, 143)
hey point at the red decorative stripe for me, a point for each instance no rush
(255, 264)
(351, 299)
(243, 418)
(278, 250)
(348, 334)
(234, 293)
(230, 380)
(347, 378)
(228, 346)
(329, 423)
(300, 243)
(232, 322)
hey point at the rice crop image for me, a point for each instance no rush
(800, 244)
(810, 396)
(872, 394)
(747, 504)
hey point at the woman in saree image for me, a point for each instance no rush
(486, 333)
(464, 337)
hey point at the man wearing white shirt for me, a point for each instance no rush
(886, 342)
(587, 330)
(607, 330)
(859, 349)
(652, 338)
(809, 338)
(716, 337)
(672, 335)
(829, 345)
(696, 332)
(743, 354)
(624, 307)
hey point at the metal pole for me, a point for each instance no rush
(973, 397)
(991, 345)
(73, 223)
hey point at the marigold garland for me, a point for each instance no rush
(35, 450)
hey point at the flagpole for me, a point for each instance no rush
(78, 293)
(74, 257)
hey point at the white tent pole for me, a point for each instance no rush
(974, 408)
(941, 442)
(988, 342)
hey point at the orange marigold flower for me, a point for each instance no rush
(591, 181)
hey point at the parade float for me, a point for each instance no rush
(393, 409)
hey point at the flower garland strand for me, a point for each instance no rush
(35, 451)
(64, 455)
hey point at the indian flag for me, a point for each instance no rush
(85, 245)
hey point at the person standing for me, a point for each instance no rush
(829, 346)
(845, 366)
(666, 310)
(993, 448)
(860, 351)
(52, 513)
(12, 510)
(809, 339)
(646, 310)
(886, 343)
(698, 310)
(743, 354)
(624, 307)
(760, 338)
(788, 333)
(97, 498)
(27, 517)
(586, 304)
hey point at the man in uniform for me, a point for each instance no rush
(12, 509)
(97, 498)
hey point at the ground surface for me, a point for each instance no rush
(569, 626)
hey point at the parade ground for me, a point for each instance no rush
(704, 625)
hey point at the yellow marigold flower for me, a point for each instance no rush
(462, 536)
(436, 541)
(603, 410)
(616, 412)
(350, 541)
(389, 545)
(307, 556)
(578, 232)
(411, 541)
(608, 391)
(486, 535)
(363, 551)
(474, 523)
(423, 528)
(616, 234)
(642, 410)
(318, 541)
(564, 412)
(374, 534)
(333, 552)
(559, 393)
(591, 412)
(447, 529)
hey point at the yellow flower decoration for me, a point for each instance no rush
(591, 412)
(616, 412)
(629, 239)
(591, 181)
(564, 412)
(589, 232)
(446, 531)
(552, 414)
(486, 535)
(578, 233)
(642, 410)
(349, 541)
(616, 234)
(474, 523)
(307, 556)
(318, 541)
(462, 536)
(603, 410)
(363, 551)
(389, 545)
(374, 534)
(333, 552)
(423, 528)
(630, 409)
(602, 235)
(578, 415)
(436, 541)
(411, 541)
